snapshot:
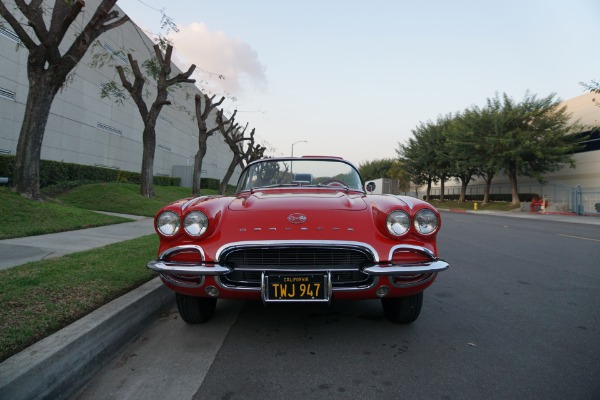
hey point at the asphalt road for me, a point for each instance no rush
(517, 316)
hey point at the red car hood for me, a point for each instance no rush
(261, 201)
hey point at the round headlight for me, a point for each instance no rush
(167, 223)
(426, 222)
(195, 223)
(398, 223)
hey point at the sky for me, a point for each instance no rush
(354, 78)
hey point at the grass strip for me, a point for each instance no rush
(43, 297)
(20, 217)
(469, 205)
(124, 198)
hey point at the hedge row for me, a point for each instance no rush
(506, 197)
(54, 172)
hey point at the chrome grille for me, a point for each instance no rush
(312, 257)
(344, 264)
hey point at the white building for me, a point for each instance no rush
(85, 129)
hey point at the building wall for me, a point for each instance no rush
(83, 128)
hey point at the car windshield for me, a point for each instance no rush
(300, 172)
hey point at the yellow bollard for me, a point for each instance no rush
(475, 206)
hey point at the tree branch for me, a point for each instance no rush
(16, 26)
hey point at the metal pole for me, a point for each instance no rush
(295, 143)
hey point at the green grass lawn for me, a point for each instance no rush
(123, 198)
(72, 210)
(42, 297)
(21, 217)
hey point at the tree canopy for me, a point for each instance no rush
(528, 138)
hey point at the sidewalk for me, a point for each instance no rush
(33, 248)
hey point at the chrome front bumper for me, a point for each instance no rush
(376, 269)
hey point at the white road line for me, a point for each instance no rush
(578, 237)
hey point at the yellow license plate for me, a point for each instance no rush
(297, 287)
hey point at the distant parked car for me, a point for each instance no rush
(298, 230)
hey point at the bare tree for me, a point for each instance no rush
(161, 71)
(203, 134)
(234, 136)
(241, 157)
(253, 152)
(48, 69)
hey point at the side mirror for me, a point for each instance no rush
(371, 187)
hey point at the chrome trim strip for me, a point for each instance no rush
(187, 203)
(188, 269)
(173, 280)
(410, 247)
(296, 243)
(408, 284)
(182, 248)
(334, 289)
(223, 285)
(406, 269)
(263, 288)
(404, 199)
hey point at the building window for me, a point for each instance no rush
(109, 128)
(165, 120)
(7, 94)
(117, 53)
(10, 35)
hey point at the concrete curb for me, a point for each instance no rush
(59, 365)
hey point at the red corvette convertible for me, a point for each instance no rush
(298, 230)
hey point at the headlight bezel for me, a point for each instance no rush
(393, 220)
(201, 221)
(432, 221)
(170, 219)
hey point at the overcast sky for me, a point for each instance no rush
(353, 78)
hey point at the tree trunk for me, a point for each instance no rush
(229, 173)
(486, 190)
(463, 190)
(26, 179)
(442, 189)
(197, 177)
(147, 180)
(512, 176)
(428, 193)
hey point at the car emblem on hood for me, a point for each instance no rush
(297, 218)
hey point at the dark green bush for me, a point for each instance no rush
(55, 172)
(505, 197)
(210, 183)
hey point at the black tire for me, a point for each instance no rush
(403, 310)
(195, 310)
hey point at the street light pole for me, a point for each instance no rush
(295, 143)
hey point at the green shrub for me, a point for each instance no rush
(505, 197)
(58, 172)
(210, 183)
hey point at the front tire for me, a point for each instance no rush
(403, 310)
(195, 310)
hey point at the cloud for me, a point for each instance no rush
(218, 55)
